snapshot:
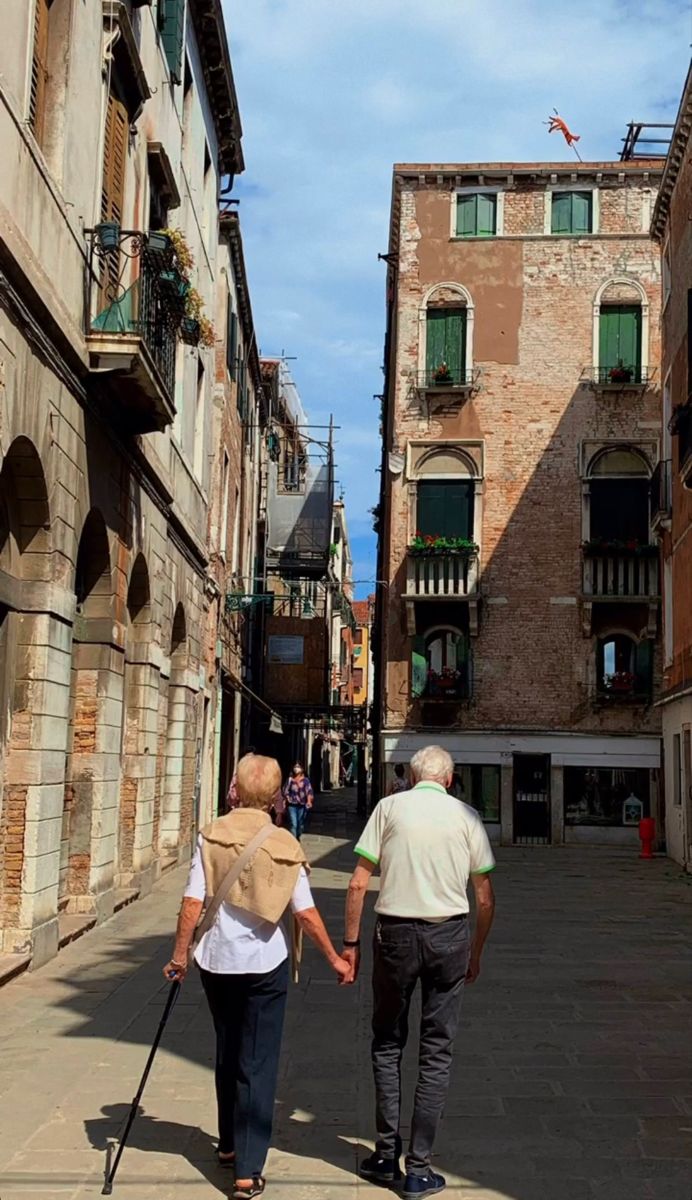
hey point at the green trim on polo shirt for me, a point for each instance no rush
(430, 783)
(364, 854)
(484, 870)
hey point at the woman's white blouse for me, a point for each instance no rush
(239, 943)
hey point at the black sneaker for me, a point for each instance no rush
(380, 1170)
(423, 1185)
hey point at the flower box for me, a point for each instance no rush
(620, 374)
(430, 545)
(597, 547)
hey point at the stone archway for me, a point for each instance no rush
(91, 772)
(139, 738)
(34, 685)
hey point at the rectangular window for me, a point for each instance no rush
(689, 343)
(477, 215)
(115, 144)
(224, 504)
(620, 337)
(571, 212)
(479, 787)
(198, 454)
(358, 678)
(39, 69)
(445, 342)
(171, 24)
(677, 769)
(232, 340)
(445, 508)
(606, 796)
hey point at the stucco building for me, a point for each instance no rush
(119, 121)
(672, 493)
(518, 618)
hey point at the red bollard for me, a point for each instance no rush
(647, 833)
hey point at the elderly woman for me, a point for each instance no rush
(243, 961)
(299, 798)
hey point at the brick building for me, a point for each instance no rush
(672, 492)
(519, 617)
(120, 121)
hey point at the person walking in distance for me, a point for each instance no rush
(427, 845)
(243, 959)
(299, 798)
(399, 783)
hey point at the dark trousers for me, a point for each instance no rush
(437, 955)
(248, 1015)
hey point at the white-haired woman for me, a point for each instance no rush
(243, 961)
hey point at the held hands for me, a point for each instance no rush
(343, 969)
(474, 968)
(351, 956)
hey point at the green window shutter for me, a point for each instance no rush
(445, 508)
(419, 666)
(446, 340)
(561, 213)
(581, 212)
(486, 224)
(466, 216)
(171, 23)
(435, 330)
(232, 341)
(620, 336)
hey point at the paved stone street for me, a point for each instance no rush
(573, 1076)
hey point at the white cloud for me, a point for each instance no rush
(332, 95)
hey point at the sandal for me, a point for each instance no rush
(254, 1189)
(225, 1158)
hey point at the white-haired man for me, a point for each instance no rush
(427, 844)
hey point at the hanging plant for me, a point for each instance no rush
(184, 256)
(207, 334)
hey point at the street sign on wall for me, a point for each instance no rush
(285, 650)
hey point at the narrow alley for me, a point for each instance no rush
(572, 1078)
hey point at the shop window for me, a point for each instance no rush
(606, 796)
(624, 666)
(476, 215)
(444, 508)
(479, 787)
(571, 212)
(440, 665)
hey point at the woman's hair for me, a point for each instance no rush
(432, 762)
(257, 781)
(399, 770)
(297, 768)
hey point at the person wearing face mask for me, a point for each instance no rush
(299, 798)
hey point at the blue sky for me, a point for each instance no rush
(332, 94)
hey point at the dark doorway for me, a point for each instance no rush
(532, 799)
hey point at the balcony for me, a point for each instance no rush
(132, 330)
(661, 495)
(442, 576)
(448, 384)
(620, 573)
(620, 378)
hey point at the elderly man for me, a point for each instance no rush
(427, 844)
(243, 960)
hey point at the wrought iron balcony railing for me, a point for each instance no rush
(661, 492)
(621, 376)
(450, 380)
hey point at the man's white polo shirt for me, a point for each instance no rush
(427, 844)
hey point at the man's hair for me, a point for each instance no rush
(432, 762)
(399, 770)
(257, 780)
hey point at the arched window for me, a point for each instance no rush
(624, 666)
(445, 494)
(619, 497)
(447, 342)
(440, 665)
(621, 332)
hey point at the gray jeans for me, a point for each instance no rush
(437, 955)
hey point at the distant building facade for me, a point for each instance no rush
(519, 615)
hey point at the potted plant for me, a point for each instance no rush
(108, 234)
(621, 681)
(620, 373)
(207, 333)
(185, 260)
(434, 544)
(442, 374)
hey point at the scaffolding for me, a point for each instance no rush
(647, 134)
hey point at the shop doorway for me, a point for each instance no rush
(531, 774)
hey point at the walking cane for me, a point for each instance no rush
(110, 1174)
